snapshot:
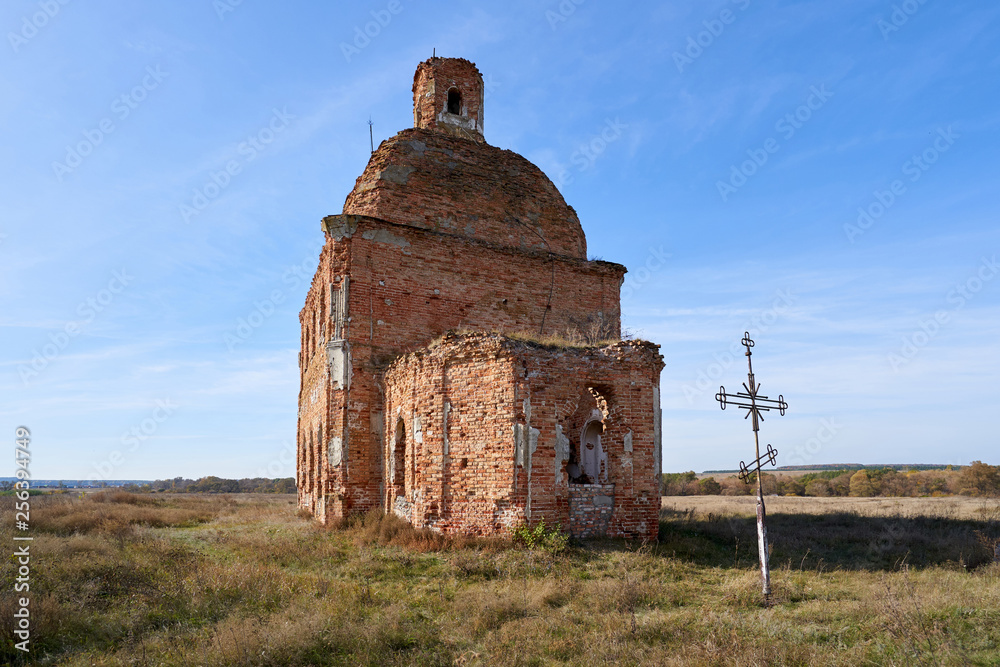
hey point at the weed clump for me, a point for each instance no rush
(547, 538)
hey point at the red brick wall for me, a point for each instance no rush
(410, 285)
(406, 286)
(432, 81)
(495, 387)
(463, 471)
(321, 487)
(625, 377)
(590, 508)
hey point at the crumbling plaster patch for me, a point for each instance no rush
(384, 236)
(562, 453)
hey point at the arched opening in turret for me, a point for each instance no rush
(454, 101)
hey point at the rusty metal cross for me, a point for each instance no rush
(756, 403)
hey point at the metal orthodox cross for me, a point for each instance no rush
(755, 403)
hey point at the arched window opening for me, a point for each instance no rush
(310, 473)
(398, 474)
(454, 101)
(319, 441)
(592, 459)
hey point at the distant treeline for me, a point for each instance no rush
(900, 467)
(977, 479)
(859, 466)
(216, 485)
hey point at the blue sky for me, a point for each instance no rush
(822, 174)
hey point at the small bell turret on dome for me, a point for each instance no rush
(448, 98)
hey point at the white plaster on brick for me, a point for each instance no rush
(384, 236)
(519, 448)
(444, 425)
(339, 363)
(562, 453)
(335, 451)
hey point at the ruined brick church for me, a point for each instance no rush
(414, 401)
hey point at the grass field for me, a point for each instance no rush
(951, 507)
(119, 579)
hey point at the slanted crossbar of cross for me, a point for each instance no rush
(770, 456)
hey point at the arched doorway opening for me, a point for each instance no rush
(593, 463)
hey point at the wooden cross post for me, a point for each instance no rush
(755, 403)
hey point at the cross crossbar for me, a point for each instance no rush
(770, 456)
(760, 402)
(752, 402)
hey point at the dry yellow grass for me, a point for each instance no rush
(954, 507)
(250, 583)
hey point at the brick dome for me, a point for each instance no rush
(432, 180)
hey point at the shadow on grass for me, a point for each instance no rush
(845, 541)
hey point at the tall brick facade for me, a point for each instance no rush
(441, 233)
